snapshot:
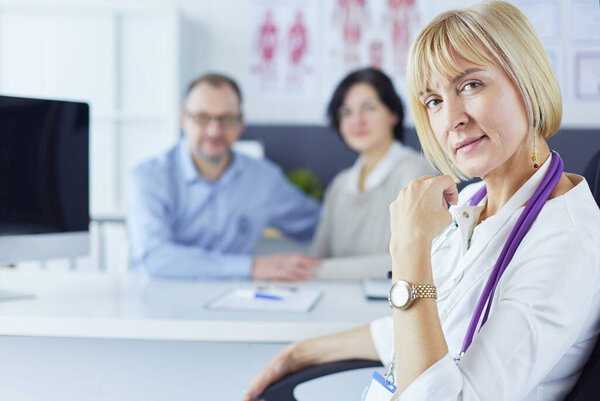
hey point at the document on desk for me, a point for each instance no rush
(377, 289)
(267, 298)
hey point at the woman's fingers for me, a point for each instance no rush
(275, 370)
(420, 212)
(446, 184)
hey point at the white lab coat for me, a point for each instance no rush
(545, 314)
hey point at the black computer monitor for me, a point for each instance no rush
(44, 179)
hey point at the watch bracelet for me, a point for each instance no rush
(424, 291)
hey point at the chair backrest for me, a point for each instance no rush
(587, 387)
(592, 176)
(283, 390)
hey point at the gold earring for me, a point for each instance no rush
(534, 154)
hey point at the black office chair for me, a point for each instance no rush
(283, 390)
(587, 387)
(592, 176)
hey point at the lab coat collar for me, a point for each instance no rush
(467, 217)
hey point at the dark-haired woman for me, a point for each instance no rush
(367, 113)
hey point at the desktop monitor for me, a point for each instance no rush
(44, 179)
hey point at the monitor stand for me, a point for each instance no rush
(10, 295)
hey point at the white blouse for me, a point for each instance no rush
(545, 314)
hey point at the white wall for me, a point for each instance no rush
(124, 59)
(224, 47)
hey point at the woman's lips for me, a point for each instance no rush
(469, 145)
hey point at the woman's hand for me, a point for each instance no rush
(420, 213)
(282, 364)
(351, 344)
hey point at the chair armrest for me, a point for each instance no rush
(283, 389)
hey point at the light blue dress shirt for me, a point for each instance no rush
(182, 226)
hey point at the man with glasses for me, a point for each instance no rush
(199, 210)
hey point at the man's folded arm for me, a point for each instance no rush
(153, 247)
(171, 260)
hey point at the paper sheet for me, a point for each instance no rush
(267, 298)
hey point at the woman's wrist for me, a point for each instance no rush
(413, 264)
(301, 355)
(405, 244)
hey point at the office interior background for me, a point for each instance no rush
(131, 61)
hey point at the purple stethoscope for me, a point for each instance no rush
(532, 209)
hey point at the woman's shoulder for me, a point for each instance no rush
(409, 167)
(566, 183)
(338, 182)
(340, 178)
(574, 209)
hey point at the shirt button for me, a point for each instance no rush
(465, 215)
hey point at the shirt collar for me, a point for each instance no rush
(191, 174)
(382, 170)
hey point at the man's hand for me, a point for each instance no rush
(284, 266)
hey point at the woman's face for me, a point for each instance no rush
(479, 118)
(366, 123)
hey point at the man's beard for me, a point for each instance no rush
(210, 159)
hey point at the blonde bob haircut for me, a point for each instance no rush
(494, 33)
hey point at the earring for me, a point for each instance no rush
(534, 154)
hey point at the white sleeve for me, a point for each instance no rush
(542, 307)
(382, 334)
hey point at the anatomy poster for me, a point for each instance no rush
(587, 76)
(361, 33)
(283, 48)
(299, 50)
(585, 22)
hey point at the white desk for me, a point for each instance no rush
(103, 306)
(131, 339)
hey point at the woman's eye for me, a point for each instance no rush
(343, 113)
(471, 85)
(430, 104)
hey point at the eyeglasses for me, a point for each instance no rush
(203, 119)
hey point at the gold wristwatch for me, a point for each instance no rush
(403, 294)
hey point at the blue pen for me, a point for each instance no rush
(267, 296)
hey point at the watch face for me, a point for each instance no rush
(400, 295)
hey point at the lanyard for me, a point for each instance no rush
(526, 219)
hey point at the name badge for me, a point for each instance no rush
(378, 389)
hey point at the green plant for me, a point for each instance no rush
(307, 181)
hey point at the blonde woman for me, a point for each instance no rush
(514, 264)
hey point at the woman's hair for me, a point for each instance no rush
(496, 33)
(385, 90)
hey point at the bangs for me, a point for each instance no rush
(495, 33)
(436, 49)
